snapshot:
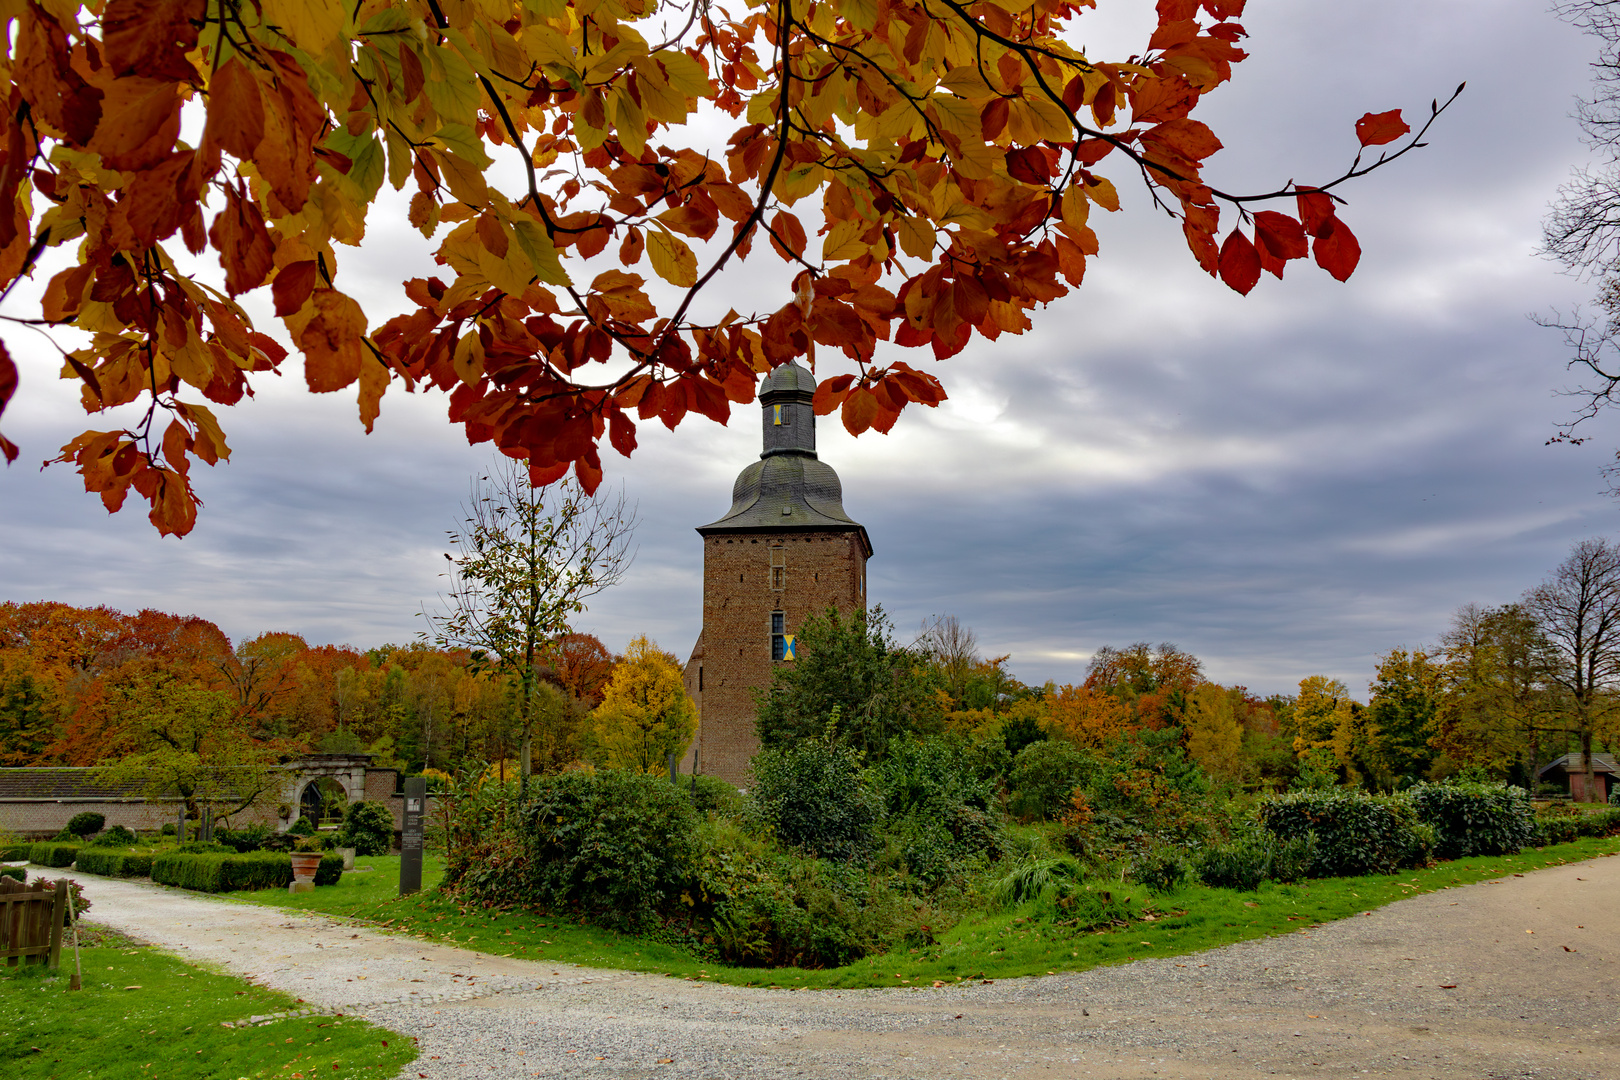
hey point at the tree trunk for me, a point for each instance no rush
(1589, 784)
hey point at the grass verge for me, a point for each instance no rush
(143, 1013)
(988, 946)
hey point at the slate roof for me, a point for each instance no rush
(1572, 763)
(789, 489)
(47, 784)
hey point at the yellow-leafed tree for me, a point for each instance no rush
(1214, 735)
(646, 714)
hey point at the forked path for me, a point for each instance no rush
(1515, 978)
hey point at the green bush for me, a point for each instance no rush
(613, 845)
(1162, 868)
(1356, 833)
(1471, 818)
(1043, 776)
(168, 829)
(212, 872)
(54, 854)
(302, 827)
(15, 851)
(1254, 856)
(712, 795)
(1027, 879)
(18, 872)
(817, 798)
(202, 847)
(111, 863)
(86, 823)
(247, 838)
(1562, 828)
(368, 827)
(117, 836)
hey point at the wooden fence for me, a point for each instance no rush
(31, 921)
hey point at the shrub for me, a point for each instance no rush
(15, 851)
(368, 827)
(1029, 878)
(168, 829)
(712, 795)
(1042, 778)
(117, 836)
(1162, 868)
(18, 872)
(1471, 818)
(110, 863)
(247, 838)
(1356, 833)
(202, 847)
(87, 823)
(1254, 856)
(614, 845)
(302, 827)
(54, 854)
(212, 872)
(816, 797)
(1563, 828)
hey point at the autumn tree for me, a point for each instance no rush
(1086, 716)
(582, 665)
(1578, 609)
(1404, 698)
(530, 558)
(1213, 732)
(1153, 681)
(646, 714)
(1498, 701)
(924, 173)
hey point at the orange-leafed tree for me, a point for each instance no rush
(923, 170)
(1087, 716)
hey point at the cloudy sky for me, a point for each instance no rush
(1285, 484)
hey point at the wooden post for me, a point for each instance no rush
(59, 906)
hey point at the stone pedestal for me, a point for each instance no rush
(300, 886)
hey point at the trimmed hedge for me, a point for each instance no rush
(12, 852)
(1563, 829)
(228, 873)
(14, 872)
(112, 863)
(51, 853)
(1356, 833)
(1475, 819)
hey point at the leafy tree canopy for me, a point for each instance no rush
(925, 169)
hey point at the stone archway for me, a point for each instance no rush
(342, 776)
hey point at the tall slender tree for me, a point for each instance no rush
(530, 558)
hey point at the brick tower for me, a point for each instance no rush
(785, 551)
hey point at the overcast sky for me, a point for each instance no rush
(1286, 484)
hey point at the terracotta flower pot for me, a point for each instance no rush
(305, 863)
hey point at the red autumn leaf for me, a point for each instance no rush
(1315, 210)
(1337, 250)
(860, 409)
(1376, 129)
(243, 242)
(8, 387)
(411, 67)
(1280, 235)
(830, 394)
(151, 37)
(235, 109)
(1029, 165)
(1240, 263)
(1189, 138)
(294, 282)
(787, 236)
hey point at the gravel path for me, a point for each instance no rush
(1512, 978)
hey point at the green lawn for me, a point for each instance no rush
(143, 1013)
(989, 946)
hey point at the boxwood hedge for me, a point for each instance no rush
(210, 872)
(52, 853)
(111, 862)
(1473, 818)
(1564, 828)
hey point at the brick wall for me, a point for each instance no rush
(741, 590)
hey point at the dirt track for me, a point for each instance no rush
(1517, 978)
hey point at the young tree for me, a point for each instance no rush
(1578, 609)
(946, 154)
(953, 647)
(530, 558)
(646, 714)
(1497, 700)
(854, 665)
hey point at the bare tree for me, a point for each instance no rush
(1578, 609)
(1582, 230)
(953, 647)
(530, 558)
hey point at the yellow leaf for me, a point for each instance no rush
(672, 260)
(468, 361)
(1101, 191)
(916, 237)
(531, 237)
(1075, 207)
(313, 25)
(956, 116)
(843, 241)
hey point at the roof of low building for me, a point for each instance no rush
(1573, 763)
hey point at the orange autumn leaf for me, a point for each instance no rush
(1376, 129)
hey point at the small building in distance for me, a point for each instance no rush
(785, 551)
(1571, 770)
